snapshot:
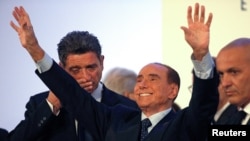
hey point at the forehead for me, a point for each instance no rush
(153, 69)
(232, 53)
(83, 58)
(236, 56)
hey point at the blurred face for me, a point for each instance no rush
(152, 91)
(223, 99)
(233, 65)
(86, 69)
(222, 95)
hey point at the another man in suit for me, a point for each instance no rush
(233, 65)
(155, 91)
(80, 55)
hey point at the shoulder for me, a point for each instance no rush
(41, 95)
(38, 98)
(111, 98)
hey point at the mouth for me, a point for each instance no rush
(229, 93)
(144, 94)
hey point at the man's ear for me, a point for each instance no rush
(175, 91)
(101, 61)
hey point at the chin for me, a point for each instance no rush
(143, 106)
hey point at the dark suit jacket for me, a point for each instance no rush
(226, 115)
(3, 135)
(40, 124)
(121, 123)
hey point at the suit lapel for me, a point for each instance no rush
(129, 130)
(131, 133)
(227, 114)
(107, 97)
(158, 131)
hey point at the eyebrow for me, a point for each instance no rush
(74, 67)
(150, 75)
(154, 75)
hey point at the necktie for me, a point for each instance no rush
(237, 119)
(144, 128)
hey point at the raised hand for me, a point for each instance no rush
(197, 33)
(26, 33)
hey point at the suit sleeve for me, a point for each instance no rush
(78, 102)
(192, 123)
(37, 118)
(205, 98)
(202, 107)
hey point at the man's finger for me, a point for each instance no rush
(14, 26)
(209, 20)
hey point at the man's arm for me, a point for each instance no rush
(26, 33)
(204, 100)
(76, 100)
(197, 35)
(197, 32)
(37, 121)
(30, 43)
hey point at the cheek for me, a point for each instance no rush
(164, 94)
(72, 74)
(76, 76)
(135, 89)
(242, 84)
(95, 76)
(244, 88)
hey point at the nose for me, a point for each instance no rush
(84, 74)
(143, 84)
(225, 81)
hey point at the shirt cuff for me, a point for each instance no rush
(45, 64)
(204, 69)
(52, 108)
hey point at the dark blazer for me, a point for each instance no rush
(40, 124)
(3, 134)
(226, 115)
(122, 123)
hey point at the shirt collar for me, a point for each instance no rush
(155, 118)
(97, 93)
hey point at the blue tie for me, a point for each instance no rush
(144, 128)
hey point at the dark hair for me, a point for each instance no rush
(78, 42)
(172, 74)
